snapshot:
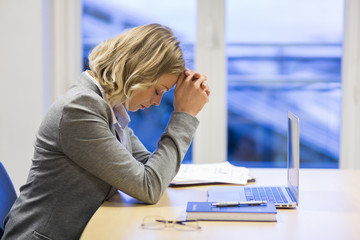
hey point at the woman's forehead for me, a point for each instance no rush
(167, 81)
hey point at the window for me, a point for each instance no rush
(109, 18)
(284, 55)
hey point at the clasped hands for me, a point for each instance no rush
(191, 92)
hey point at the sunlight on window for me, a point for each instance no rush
(284, 55)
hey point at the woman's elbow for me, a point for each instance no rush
(152, 198)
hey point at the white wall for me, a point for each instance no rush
(21, 79)
(21, 84)
(40, 48)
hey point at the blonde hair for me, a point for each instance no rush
(135, 60)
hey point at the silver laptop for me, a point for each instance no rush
(281, 196)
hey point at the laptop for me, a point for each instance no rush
(282, 196)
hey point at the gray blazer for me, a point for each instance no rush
(79, 163)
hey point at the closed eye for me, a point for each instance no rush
(157, 92)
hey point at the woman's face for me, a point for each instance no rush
(144, 98)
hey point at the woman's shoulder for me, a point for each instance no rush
(81, 98)
(79, 101)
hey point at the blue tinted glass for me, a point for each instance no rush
(109, 18)
(279, 61)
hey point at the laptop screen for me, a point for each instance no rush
(293, 155)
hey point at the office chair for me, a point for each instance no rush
(7, 196)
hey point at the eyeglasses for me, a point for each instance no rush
(159, 223)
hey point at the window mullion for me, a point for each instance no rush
(210, 143)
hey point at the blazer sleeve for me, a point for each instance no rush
(138, 150)
(86, 138)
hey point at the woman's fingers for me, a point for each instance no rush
(205, 87)
(192, 93)
(200, 80)
(180, 79)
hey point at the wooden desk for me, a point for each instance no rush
(329, 209)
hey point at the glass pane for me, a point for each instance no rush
(284, 55)
(108, 18)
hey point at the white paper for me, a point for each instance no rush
(211, 173)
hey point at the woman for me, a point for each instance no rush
(84, 150)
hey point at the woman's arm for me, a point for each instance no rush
(86, 138)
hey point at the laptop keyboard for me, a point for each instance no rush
(270, 194)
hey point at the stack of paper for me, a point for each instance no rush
(211, 173)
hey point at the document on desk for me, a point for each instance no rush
(211, 173)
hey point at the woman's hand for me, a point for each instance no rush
(191, 93)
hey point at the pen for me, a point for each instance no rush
(229, 204)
